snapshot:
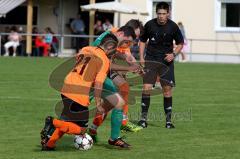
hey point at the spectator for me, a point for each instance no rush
(98, 28)
(78, 28)
(52, 41)
(185, 46)
(40, 42)
(107, 25)
(13, 41)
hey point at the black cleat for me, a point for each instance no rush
(142, 123)
(119, 143)
(169, 126)
(46, 148)
(47, 130)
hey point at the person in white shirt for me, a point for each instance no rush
(13, 41)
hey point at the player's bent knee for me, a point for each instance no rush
(167, 91)
(116, 100)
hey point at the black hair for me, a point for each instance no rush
(109, 38)
(135, 23)
(128, 31)
(162, 5)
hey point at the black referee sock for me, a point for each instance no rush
(145, 106)
(168, 108)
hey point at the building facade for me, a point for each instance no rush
(212, 26)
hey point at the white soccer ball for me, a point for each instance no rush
(83, 142)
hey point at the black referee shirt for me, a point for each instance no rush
(161, 37)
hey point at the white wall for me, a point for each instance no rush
(198, 18)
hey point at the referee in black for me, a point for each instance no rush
(160, 33)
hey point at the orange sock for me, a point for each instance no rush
(99, 118)
(67, 127)
(124, 91)
(57, 134)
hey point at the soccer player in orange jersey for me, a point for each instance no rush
(89, 72)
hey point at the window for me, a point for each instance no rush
(18, 16)
(227, 16)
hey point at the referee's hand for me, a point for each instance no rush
(169, 57)
(142, 61)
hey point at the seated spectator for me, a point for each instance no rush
(98, 28)
(40, 42)
(52, 41)
(107, 25)
(13, 41)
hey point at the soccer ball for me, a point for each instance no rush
(83, 142)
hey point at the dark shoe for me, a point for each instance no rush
(119, 143)
(47, 130)
(93, 134)
(46, 148)
(169, 126)
(142, 123)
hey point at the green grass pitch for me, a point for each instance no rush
(206, 106)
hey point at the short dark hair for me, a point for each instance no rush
(109, 37)
(135, 23)
(128, 31)
(162, 5)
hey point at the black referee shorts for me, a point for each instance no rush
(159, 67)
(74, 112)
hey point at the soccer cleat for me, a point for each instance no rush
(169, 126)
(47, 130)
(142, 123)
(93, 134)
(130, 127)
(119, 143)
(46, 148)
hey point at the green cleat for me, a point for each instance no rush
(130, 127)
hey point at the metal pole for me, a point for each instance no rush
(191, 41)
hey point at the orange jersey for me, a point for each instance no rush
(92, 65)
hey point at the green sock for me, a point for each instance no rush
(116, 122)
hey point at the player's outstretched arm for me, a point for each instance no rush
(116, 67)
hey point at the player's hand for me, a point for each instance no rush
(133, 68)
(169, 57)
(141, 71)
